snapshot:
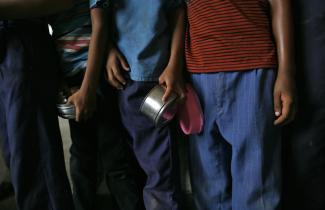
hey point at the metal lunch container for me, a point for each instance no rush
(65, 110)
(155, 109)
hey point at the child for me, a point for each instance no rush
(245, 83)
(80, 35)
(29, 126)
(147, 49)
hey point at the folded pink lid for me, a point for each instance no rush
(190, 113)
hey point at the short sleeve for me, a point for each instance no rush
(98, 3)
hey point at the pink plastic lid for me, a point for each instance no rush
(190, 114)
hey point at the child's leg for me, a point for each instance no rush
(209, 152)
(244, 116)
(98, 147)
(256, 145)
(6, 188)
(115, 154)
(4, 144)
(152, 147)
(28, 83)
(83, 163)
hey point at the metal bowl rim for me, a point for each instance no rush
(163, 109)
(146, 97)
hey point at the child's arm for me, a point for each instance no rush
(115, 63)
(284, 89)
(85, 98)
(10, 9)
(172, 77)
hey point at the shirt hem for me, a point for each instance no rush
(231, 68)
(144, 79)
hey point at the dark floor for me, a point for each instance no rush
(8, 204)
(104, 203)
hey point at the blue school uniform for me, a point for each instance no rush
(98, 145)
(143, 35)
(28, 118)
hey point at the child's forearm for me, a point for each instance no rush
(283, 32)
(14, 9)
(177, 23)
(96, 52)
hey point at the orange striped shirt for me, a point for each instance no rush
(229, 35)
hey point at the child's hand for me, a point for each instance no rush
(172, 78)
(284, 99)
(84, 102)
(115, 61)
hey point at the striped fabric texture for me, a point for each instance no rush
(72, 33)
(229, 35)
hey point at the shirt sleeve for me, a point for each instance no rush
(98, 3)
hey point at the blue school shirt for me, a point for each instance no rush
(72, 32)
(143, 35)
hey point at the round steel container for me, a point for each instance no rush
(158, 111)
(65, 110)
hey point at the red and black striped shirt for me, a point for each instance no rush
(229, 35)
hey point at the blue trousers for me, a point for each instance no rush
(235, 161)
(28, 118)
(98, 145)
(153, 148)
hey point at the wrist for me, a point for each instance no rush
(286, 68)
(110, 45)
(88, 88)
(175, 65)
(288, 75)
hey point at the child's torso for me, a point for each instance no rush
(143, 35)
(229, 35)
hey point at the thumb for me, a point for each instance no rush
(161, 81)
(76, 108)
(70, 100)
(77, 114)
(277, 104)
(123, 63)
(167, 93)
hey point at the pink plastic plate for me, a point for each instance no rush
(190, 113)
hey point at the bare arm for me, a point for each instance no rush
(85, 98)
(96, 50)
(284, 90)
(283, 33)
(13, 9)
(172, 76)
